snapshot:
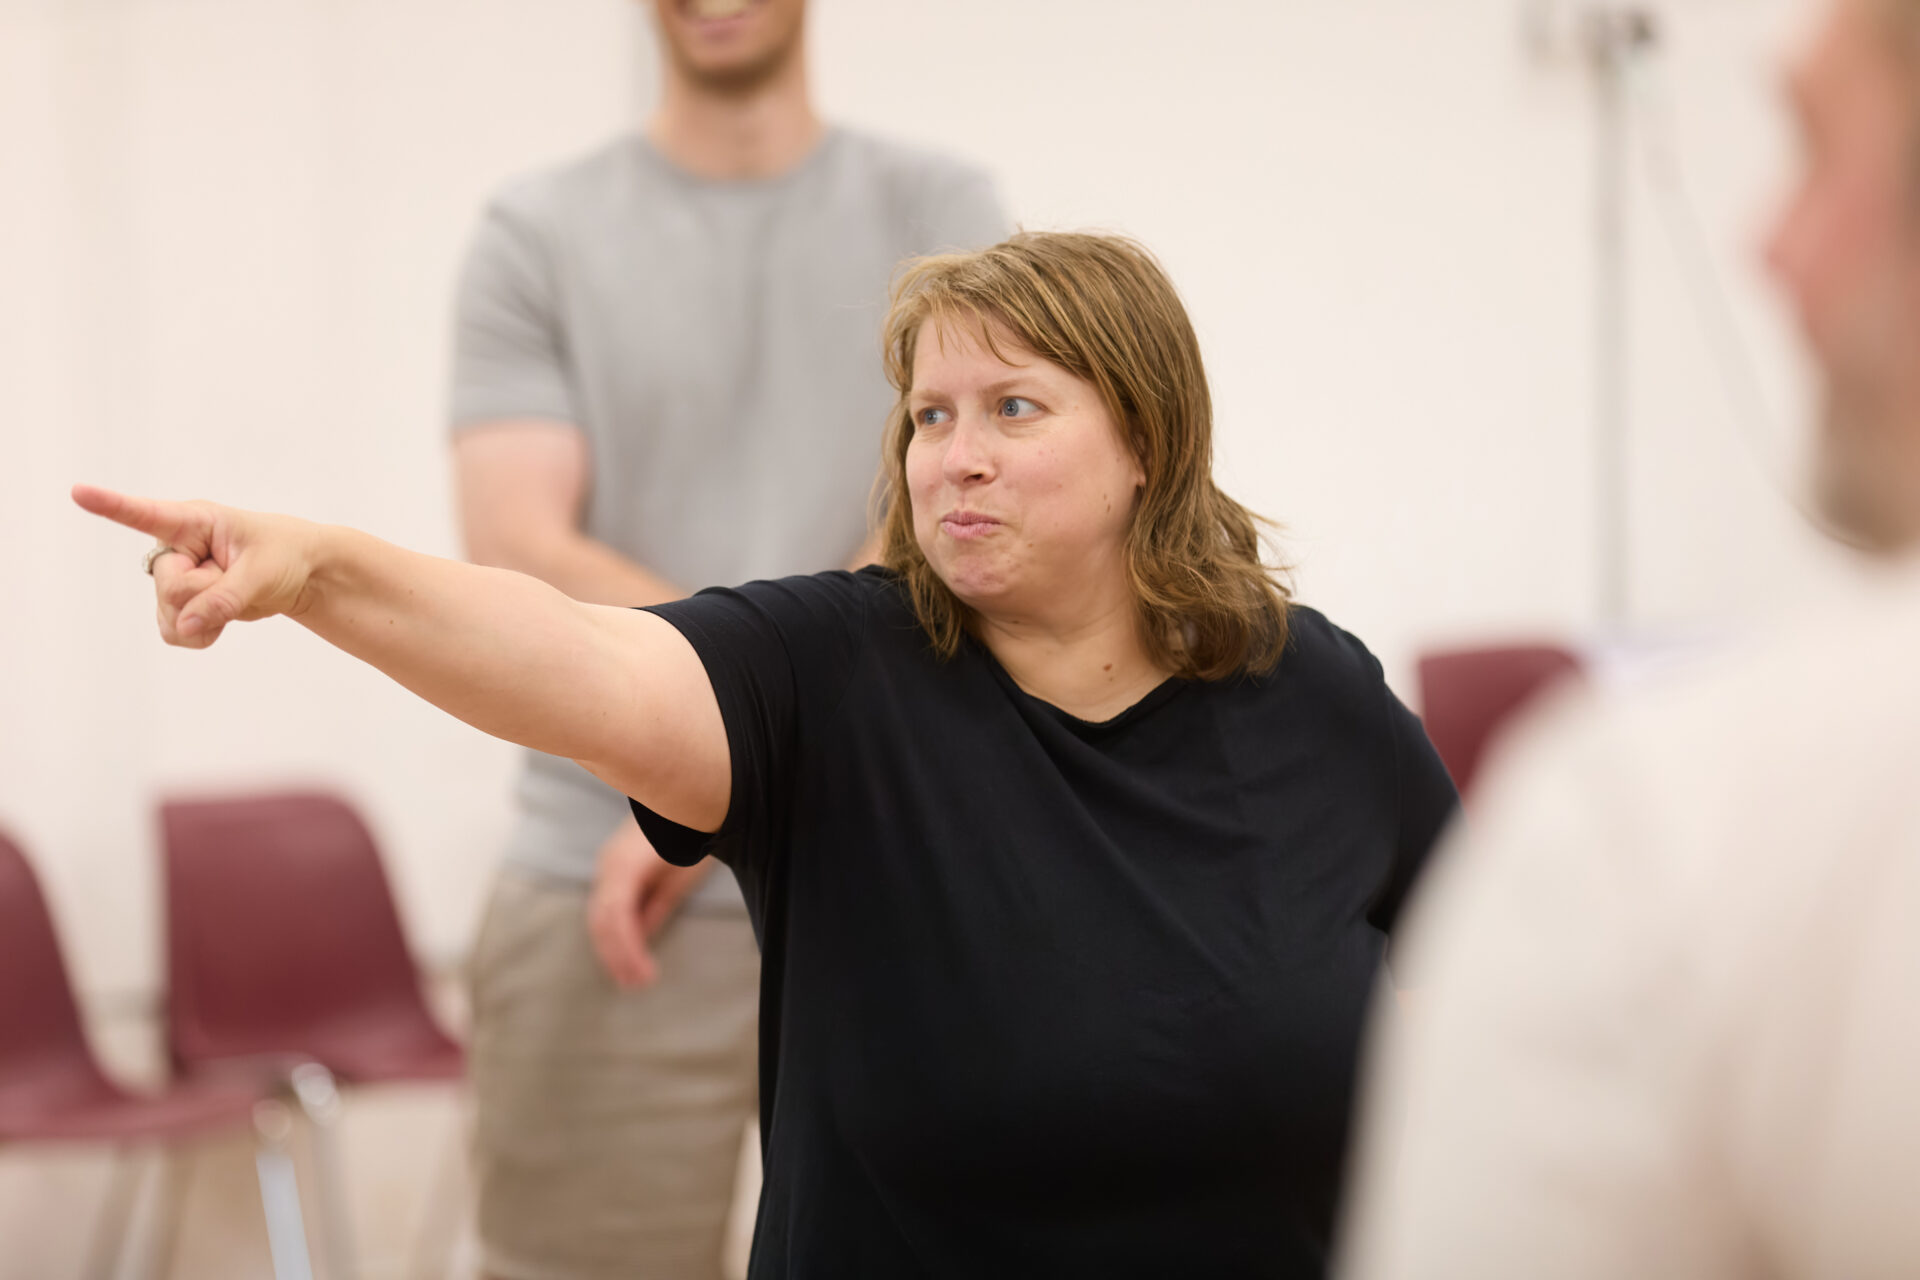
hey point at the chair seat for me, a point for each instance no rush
(60, 1109)
(364, 1048)
(364, 1062)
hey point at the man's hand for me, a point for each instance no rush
(635, 893)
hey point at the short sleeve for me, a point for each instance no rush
(780, 655)
(509, 358)
(1427, 803)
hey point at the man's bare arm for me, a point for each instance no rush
(523, 484)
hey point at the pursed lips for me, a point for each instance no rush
(968, 525)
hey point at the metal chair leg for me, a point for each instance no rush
(440, 1222)
(177, 1168)
(110, 1234)
(319, 1099)
(280, 1192)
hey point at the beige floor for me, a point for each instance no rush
(402, 1155)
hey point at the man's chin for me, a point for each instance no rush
(741, 64)
(734, 75)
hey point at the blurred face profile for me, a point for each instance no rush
(1846, 250)
(1022, 489)
(730, 45)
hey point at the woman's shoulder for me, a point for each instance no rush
(1320, 650)
(815, 627)
(835, 591)
(835, 610)
(1327, 684)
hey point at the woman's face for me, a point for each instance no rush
(1022, 488)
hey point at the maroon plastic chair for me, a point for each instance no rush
(52, 1089)
(286, 960)
(283, 945)
(1468, 696)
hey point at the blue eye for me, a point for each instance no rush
(1017, 407)
(929, 417)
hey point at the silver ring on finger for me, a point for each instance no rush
(154, 553)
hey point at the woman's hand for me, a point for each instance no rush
(223, 565)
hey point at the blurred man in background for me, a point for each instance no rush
(666, 376)
(1669, 1010)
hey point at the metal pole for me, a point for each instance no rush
(1615, 35)
(1610, 425)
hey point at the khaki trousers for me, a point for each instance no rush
(608, 1123)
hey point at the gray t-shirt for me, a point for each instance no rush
(719, 344)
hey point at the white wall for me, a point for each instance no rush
(228, 229)
(1380, 213)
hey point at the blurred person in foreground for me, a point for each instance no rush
(1075, 844)
(1668, 1021)
(664, 377)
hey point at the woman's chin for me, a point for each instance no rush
(980, 573)
(974, 585)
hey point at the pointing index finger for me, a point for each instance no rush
(171, 522)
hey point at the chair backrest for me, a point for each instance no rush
(1468, 696)
(40, 1033)
(280, 923)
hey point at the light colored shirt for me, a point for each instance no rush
(1666, 1019)
(719, 344)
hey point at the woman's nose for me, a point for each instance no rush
(969, 457)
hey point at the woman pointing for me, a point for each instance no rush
(1072, 844)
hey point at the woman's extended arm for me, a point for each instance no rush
(618, 690)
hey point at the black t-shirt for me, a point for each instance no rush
(1043, 997)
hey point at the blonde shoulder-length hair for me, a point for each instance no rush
(1101, 308)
